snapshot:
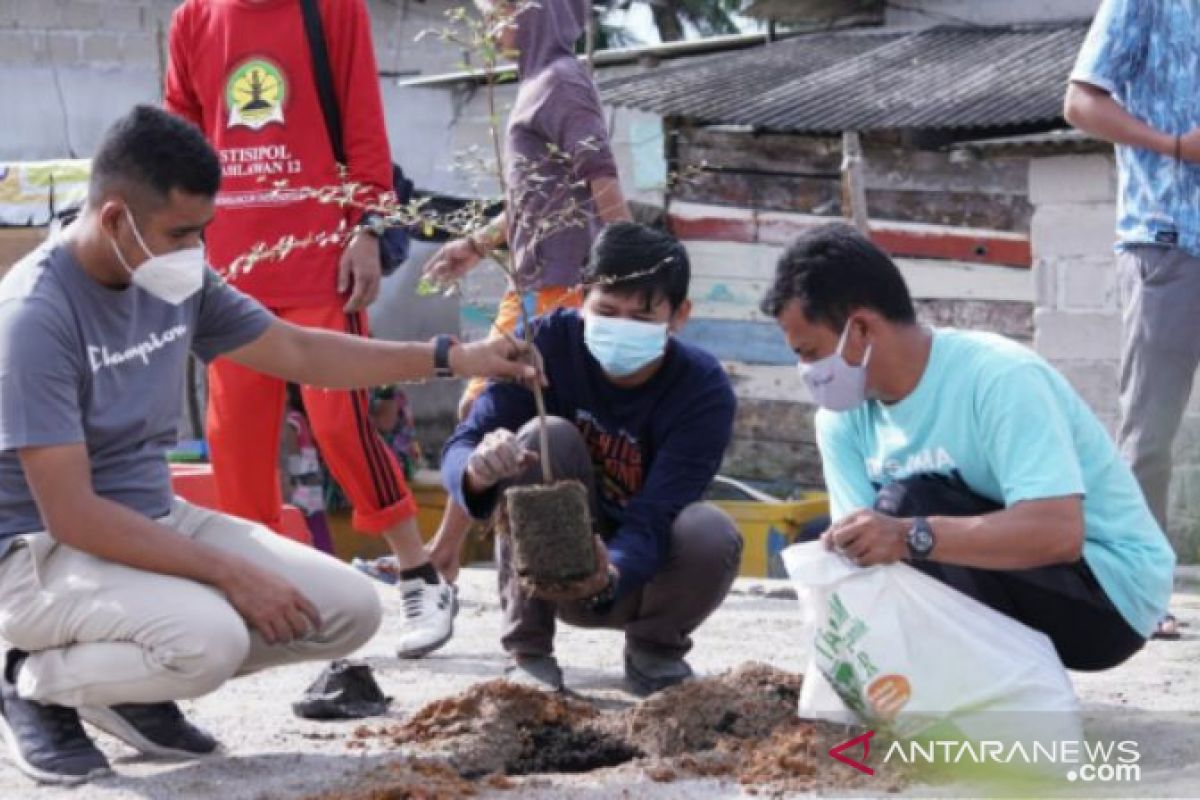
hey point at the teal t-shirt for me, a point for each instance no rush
(1015, 430)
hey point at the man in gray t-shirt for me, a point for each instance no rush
(82, 362)
(118, 598)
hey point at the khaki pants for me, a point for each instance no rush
(100, 633)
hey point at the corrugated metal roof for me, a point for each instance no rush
(936, 78)
(806, 12)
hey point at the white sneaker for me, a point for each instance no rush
(428, 616)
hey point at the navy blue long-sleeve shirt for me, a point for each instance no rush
(656, 448)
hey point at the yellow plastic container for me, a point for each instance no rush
(431, 498)
(767, 528)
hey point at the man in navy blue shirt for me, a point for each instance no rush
(643, 420)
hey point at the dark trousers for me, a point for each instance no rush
(658, 618)
(1063, 601)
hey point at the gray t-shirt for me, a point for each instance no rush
(80, 362)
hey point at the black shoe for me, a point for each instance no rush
(158, 730)
(46, 742)
(647, 673)
(344, 690)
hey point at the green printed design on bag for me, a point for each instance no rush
(847, 668)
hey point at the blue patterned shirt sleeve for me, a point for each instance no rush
(1146, 54)
(1114, 47)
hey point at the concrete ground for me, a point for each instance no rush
(1153, 699)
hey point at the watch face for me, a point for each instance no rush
(920, 540)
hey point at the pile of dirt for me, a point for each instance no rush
(418, 779)
(500, 727)
(795, 759)
(739, 726)
(748, 702)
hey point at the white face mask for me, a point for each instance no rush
(172, 277)
(835, 384)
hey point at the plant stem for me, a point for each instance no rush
(511, 270)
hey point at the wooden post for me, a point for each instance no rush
(854, 190)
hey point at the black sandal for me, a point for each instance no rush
(1168, 629)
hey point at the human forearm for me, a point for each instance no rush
(1030, 534)
(609, 200)
(335, 361)
(113, 532)
(492, 235)
(1026, 536)
(1094, 111)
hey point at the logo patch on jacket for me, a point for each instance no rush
(255, 93)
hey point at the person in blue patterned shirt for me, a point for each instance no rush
(1136, 83)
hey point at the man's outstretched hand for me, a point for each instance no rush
(452, 262)
(504, 358)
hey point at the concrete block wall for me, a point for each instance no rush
(1077, 323)
(68, 68)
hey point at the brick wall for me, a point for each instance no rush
(1078, 320)
(69, 67)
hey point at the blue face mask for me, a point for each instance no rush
(623, 346)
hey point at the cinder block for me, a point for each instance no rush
(1186, 451)
(64, 48)
(10, 16)
(85, 15)
(1096, 382)
(126, 17)
(37, 14)
(140, 49)
(1088, 284)
(1065, 231)
(101, 48)
(1045, 278)
(22, 47)
(1194, 402)
(1076, 335)
(1183, 525)
(1110, 422)
(1063, 180)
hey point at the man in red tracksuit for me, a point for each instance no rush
(241, 71)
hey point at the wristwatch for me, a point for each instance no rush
(441, 355)
(373, 224)
(920, 539)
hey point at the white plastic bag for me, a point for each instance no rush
(903, 652)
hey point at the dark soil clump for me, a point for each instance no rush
(551, 527)
(738, 726)
(559, 748)
(745, 703)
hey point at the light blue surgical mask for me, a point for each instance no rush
(623, 346)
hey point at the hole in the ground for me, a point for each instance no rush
(560, 748)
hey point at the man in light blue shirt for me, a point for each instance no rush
(968, 456)
(1137, 84)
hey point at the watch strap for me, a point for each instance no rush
(441, 355)
(920, 539)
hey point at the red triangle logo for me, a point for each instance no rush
(864, 739)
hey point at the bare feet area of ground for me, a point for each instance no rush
(454, 731)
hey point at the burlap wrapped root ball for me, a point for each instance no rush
(551, 530)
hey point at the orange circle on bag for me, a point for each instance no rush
(887, 694)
